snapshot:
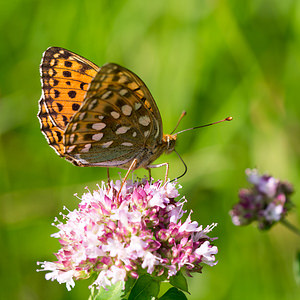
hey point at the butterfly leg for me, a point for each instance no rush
(161, 165)
(108, 177)
(149, 172)
(132, 166)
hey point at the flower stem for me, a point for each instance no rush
(290, 226)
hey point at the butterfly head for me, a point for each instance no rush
(169, 140)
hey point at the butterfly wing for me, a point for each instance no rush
(65, 78)
(53, 134)
(117, 121)
(115, 75)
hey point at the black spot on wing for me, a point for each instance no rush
(59, 136)
(65, 120)
(68, 64)
(67, 74)
(75, 106)
(56, 93)
(82, 84)
(72, 94)
(59, 106)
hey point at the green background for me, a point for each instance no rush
(211, 58)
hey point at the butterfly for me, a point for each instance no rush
(99, 116)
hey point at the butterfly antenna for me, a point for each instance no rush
(179, 120)
(185, 166)
(226, 119)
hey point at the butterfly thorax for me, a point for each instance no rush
(151, 153)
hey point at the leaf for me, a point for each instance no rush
(173, 294)
(179, 281)
(129, 284)
(145, 288)
(114, 292)
(297, 267)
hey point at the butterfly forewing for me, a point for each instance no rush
(53, 134)
(65, 80)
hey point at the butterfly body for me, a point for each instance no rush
(95, 116)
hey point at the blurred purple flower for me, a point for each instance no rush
(266, 202)
(113, 238)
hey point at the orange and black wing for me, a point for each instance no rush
(65, 78)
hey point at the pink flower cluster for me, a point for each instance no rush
(267, 202)
(113, 238)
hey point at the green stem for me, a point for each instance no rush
(290, 226)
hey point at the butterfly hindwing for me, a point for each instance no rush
(109, 126)
(124, 80)
(128, 87)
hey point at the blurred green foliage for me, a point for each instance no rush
(211, 58)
